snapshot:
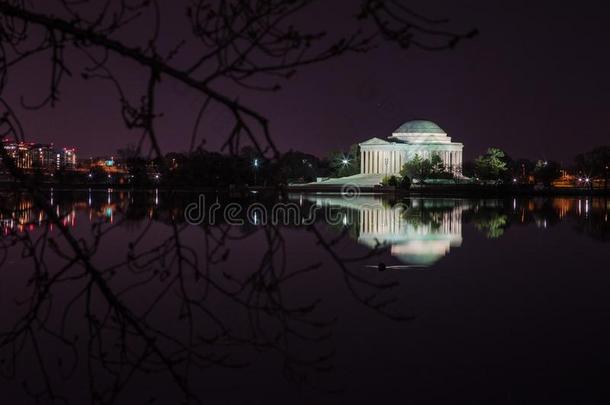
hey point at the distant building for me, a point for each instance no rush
(419, 137)
(66, 159)
(43, 156)
(27, 155)
(20, 152)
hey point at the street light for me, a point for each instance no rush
(344, 162)
(255, 164)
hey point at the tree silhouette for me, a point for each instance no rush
(240, 44)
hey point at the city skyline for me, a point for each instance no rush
(31, 155)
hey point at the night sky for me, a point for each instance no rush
(534, 82)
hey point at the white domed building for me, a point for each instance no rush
(418, 137)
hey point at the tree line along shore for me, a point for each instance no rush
(201, 169)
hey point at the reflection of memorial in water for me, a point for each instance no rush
(417, 231)
(415, 234)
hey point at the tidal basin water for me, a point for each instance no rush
(420, 300)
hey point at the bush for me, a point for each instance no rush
(401, 182)
(405, 183)
(390, 181)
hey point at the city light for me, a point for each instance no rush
(255, 164)
(28, 155)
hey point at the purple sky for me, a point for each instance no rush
(535, 82)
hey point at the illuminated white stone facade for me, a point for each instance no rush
(423, 138)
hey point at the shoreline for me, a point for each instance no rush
(458, 190)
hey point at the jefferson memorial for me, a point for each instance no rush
(419, 137)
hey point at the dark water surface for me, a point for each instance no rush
(332, 300)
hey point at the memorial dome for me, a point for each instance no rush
(419, 127)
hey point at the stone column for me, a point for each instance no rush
(374, 162)
(397, 161)
(386, 162)
(361, 161)
(389, 165)
(365, 161)
(389, 169)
